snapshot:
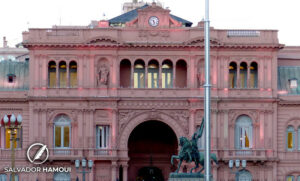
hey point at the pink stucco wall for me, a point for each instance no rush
(181, 108)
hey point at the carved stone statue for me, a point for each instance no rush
(189, 151)
(102, 75)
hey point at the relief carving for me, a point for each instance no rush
(124, 117)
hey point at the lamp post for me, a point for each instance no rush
(83, 164)
(237, 166)
(13, 124)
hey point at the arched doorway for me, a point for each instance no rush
(151, 145)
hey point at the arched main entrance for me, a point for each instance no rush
(151, 145)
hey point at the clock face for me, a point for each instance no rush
(153, 21)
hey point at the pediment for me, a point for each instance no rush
(200, 41)
(103, 40)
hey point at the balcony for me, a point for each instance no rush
(5, 154)
(289, 155)
(250, 154)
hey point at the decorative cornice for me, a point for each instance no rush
(150, 45)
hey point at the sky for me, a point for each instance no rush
(17, 16)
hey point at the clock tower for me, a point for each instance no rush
(154, 16)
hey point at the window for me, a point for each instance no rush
(16, 177)
(153, 74)
(102, 137)
(243, 132)
(290, 138)
(244, 175)
(61, 176)
(232, 75)
(139, 74)
(167, 74)
(73, 74)
(62, 74)
(3, 177)
(253, 75)
(52, 74)
(290, 178)
(62, 132)
(243, 75)
(125, 73)
(181, 74)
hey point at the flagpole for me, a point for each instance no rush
(207, 95)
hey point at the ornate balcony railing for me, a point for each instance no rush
(289, 155)
(6, 154)
(247, 154)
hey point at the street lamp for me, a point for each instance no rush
(83, 164)
(13, 124)
(237, 166)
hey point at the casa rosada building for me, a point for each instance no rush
(122, 92)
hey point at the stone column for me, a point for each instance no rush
(174, 74)
(146, 76)
(238, 84)
(132, 76)
(44, 72)
(214, 128)
(57, 73)
(226, 127)
(192, 122)
(68, 74)
(261, 129)
(160, 75)
(92, 70)
(113, 171)
(125, 172)
(80, 71)
(114, 130)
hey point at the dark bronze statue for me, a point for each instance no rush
(189, 151)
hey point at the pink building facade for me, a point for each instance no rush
(122, 93)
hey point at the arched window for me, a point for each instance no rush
(73, 74)
(167, 74)
(243, 75)
(253, 75)
(61, 176)
(153, 74)
(232, 75)
(244, 175)
(139, 74)
(3, 177)
(62, 74)
(290, 138)
(62, 132)
(181, 74)
(243, 132)
(125, 73)
(52, 74)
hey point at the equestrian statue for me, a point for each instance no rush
(189, 151)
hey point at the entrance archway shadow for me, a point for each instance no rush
(151, 145)
(150, 174)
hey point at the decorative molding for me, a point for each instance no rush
(154, 104)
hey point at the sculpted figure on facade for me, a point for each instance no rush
(200, 73)
(102, 75)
